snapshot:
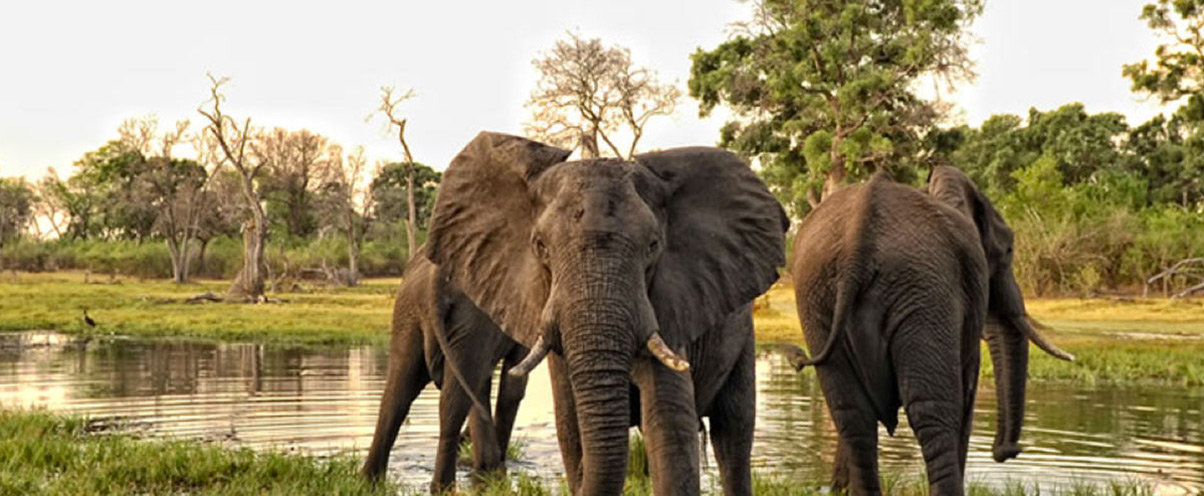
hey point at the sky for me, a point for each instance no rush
(71, 71)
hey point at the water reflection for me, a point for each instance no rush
(325, 400)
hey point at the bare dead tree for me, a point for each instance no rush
(1189, 268)
(233, 141)
(390, 98)
(588, 92)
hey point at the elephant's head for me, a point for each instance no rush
(1009, 328)
(604, 261)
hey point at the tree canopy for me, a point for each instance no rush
(824, 92)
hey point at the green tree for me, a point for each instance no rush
(1176, 75)
(824, 90)
(16, 210)
(389, 193)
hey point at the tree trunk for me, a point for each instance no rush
(412, 214)
(200, 256)
(248, 284)
(837, 174)
(353, 260)
(177, 266)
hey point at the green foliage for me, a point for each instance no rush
(823, 90)
(389, 193)
(53, 454)
(221, 259)
(1095, 205)
(16, 208)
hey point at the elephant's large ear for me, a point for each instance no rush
(724, 237)
(951, 186)
(481, 228)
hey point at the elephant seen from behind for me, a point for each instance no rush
(894, 288)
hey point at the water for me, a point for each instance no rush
(325, 400)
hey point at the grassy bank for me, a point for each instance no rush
(43, 453)
(1155, 340)
(156, 308)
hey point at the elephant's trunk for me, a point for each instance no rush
(600, 361)
(1009, 355)
(603, 324)
(1008, 332)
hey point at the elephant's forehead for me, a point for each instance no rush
(571, 180)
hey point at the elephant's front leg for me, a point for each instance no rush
(670, 425)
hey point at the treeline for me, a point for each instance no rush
(1096, 205)
(130, 207)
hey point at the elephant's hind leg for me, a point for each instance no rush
(927, 356)
(454, 406)
(407, 377)
(855, 468)
(733, 417)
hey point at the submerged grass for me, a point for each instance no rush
(43, 453)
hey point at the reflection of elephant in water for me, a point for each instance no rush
(895, 286)
(434, 328)
(636, 272)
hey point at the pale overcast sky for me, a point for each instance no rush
(71, 71)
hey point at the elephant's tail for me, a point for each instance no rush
(450, 358)
(843, 309)
(860, 240)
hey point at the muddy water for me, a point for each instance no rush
(325, 400)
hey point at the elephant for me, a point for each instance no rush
(895, 287)
(634, 278)
(439, 336)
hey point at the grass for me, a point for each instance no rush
(44, 453)
(1132, 341)
(57, 454)
(516, 450)
(156, 308)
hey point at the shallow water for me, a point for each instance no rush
(325, 400)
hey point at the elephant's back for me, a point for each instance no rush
(880, 226)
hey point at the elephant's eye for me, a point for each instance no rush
(654, 246)
(541, 249)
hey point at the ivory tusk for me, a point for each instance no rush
(1041, 341)
(536, 355)
(661, 351)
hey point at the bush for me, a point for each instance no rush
(222, 257)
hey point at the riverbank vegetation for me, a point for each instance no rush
(49, 453)
(44, 453)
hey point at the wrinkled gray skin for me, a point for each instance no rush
(594, 259)
(894, 286)
(435, 328)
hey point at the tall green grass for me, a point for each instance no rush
(42, 453)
